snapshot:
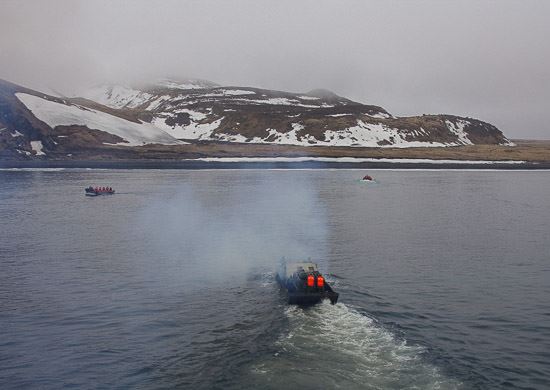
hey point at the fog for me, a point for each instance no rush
(208, 231)
(484, 59)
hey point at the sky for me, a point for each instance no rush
(484, 59)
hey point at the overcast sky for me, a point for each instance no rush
(485, 59)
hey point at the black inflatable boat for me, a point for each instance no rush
(304, 284)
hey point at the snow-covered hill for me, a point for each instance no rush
(175, 112)
(208, 112)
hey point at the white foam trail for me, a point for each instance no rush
(33, 169)
(334, 346)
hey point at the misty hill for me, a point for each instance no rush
(175, 113)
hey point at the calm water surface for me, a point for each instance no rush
(444, 279)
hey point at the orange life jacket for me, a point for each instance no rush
(320, 281)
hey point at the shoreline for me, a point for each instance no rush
(273, 164)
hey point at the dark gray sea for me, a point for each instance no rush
(444, 279)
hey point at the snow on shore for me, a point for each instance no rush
(350, 160)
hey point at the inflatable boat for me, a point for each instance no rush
(303, 284)
(96, 191)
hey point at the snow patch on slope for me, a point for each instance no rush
(308, 97)
(157, 102)
(193, 115)
(186, 84)
(458, 129)
(362, 135)
(371, 135)
(289, 138)
(57, 114)
(380, 115)
(37, 147)
(194, 130)
(228, 92)
(117, 96)
(231, 137)
(285, 102)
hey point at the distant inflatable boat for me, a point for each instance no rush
(367, 178)
(304, 284)
(96, 191)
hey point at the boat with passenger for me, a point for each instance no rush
(96, 191)
(304, 284)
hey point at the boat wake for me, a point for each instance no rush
(335, 346)
(371, 182)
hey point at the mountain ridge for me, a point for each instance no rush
(178, 112)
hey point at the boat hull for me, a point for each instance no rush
(306, 299)
(97, 193)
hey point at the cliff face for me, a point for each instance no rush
(173, 114)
